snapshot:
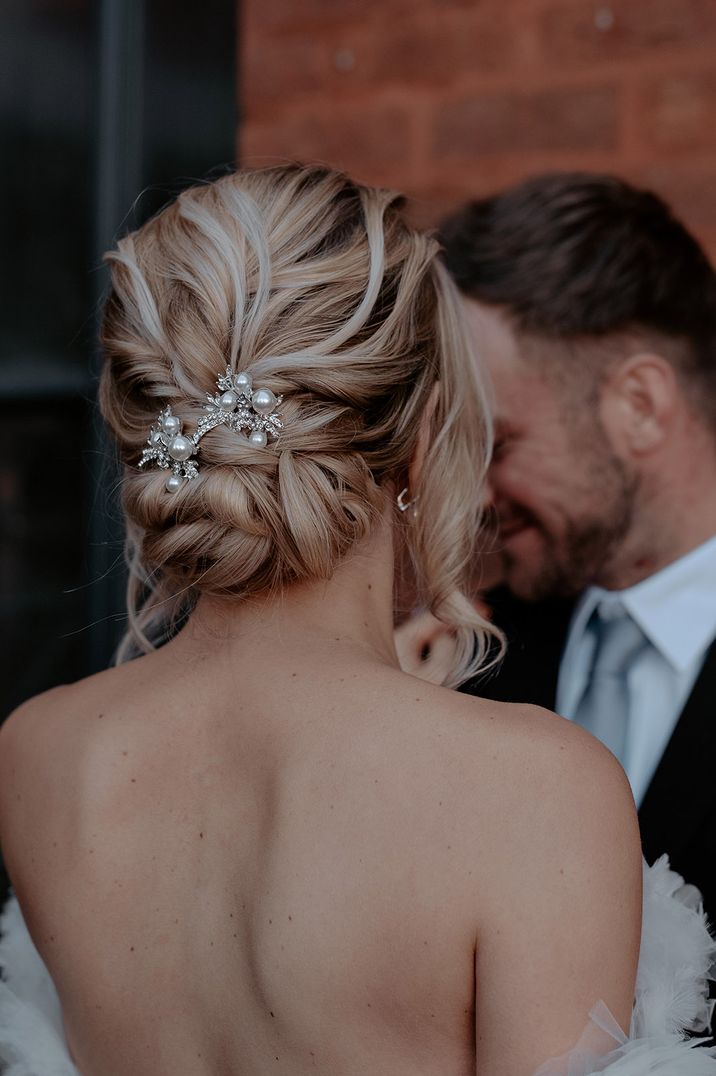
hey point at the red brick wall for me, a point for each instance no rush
(446, 99)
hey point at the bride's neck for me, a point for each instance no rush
(353, 607)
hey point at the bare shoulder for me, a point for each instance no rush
(28, 742)
(24, 734)
(24, 774)
(529, 743)
(542, 785)
(559, 832)
(44, 745)
(539, 749)
(577, 781)
(42, 724)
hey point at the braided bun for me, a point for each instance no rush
(318, 287)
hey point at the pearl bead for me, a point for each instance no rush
(228, 400)
(263, 401)
(171, 424)
(243, 383)
(155, 438)
(258, 437)
(173, 483)
(180, 448)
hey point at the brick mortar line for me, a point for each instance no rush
(336, 98)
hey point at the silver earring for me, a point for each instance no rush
(403, 504)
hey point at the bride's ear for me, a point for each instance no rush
(421, 445)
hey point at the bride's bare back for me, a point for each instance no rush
(286, 863)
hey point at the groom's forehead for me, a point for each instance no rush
(501, 347)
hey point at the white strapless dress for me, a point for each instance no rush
(671, 1001)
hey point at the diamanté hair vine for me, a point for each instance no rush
(236, 405)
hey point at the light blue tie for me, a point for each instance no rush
(604, 707)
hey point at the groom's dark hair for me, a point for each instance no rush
(571, 255)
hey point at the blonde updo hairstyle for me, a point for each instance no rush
(318, 287)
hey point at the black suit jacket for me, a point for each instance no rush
(678, 813)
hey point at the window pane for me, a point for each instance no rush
(46, 103)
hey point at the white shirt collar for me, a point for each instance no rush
(675, 607)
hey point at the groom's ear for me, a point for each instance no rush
(424, 438)
(641, 399)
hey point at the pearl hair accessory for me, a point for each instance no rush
(236, 405)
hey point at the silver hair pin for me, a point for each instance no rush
(236, 405)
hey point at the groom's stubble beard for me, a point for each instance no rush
(588, 547)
